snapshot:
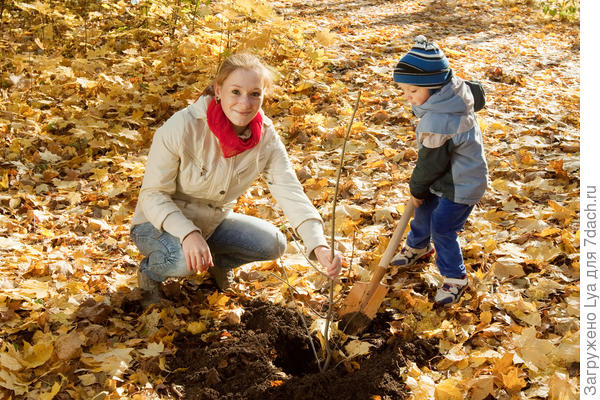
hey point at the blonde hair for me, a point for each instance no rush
(243, 61)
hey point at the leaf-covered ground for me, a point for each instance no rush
(85, 84)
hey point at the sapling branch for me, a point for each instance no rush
(335, 195)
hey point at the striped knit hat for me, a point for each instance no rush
(424, 65)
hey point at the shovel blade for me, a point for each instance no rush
(355, 301)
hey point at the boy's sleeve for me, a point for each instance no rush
(432, 163)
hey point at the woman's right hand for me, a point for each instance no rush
(197, 252)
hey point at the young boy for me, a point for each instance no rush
(450, 176)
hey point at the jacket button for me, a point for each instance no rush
(222, 192)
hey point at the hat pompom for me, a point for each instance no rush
(421, 39)
(421, 42)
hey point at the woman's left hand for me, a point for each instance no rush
(334, 266)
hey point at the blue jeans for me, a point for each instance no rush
(441, 219)
(238, 240)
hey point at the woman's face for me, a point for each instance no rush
(241, 96)
(415, 95)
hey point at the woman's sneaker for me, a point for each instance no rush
(409, 255)
(151, 288)
(451, 291)
(223, 277)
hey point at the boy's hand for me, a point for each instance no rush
(416, 202)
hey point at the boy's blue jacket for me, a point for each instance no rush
(451, 160)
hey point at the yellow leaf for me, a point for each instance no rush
(50, 395)
(34, 356)
(422, 388)
(218, 299)
(325, 37)
(196, 327)
(561, 388)
(543, 251)
(87, 379)
(113, 362)
(490, 245)
(527, 158)
(383, 183)
(3, 179)
(99, 174)
(31, 288)
(482, 387)
(567, 239)
(9, 362)
(235, 316)
(503, 364)
(533, 350)
(485, 317)
(162, 364)
(12, 382)
(68, 346)
(478, 357)
(568, 351)
(46, 232)
(508, 269)
(154, 349)
(549, 232)
(357, 348)
(376, 164)
(512, 380)
(447, 390)
(500, 185)
(39, 43)
(389, 152)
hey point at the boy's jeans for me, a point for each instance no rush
(441, 219)
(238, 240)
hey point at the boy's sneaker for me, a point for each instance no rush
(151, 288)
(223, 277)
(451, 290)
(409, 255)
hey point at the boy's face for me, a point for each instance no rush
(415, 95)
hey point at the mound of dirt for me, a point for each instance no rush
(268, 356)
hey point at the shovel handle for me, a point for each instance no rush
(409, 209)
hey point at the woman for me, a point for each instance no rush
(201, 160)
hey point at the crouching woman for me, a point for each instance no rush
(200, 161)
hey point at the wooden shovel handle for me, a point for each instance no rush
(409, 208)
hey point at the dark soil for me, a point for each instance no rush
(268, 356)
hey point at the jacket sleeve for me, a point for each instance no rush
(289, 194)
(160, 182)
(433, 161)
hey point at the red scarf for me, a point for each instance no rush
(221, 127)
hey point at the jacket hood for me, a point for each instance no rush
(448, 111)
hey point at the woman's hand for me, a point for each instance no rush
(334, 266)
(197, 253)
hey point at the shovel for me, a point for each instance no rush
(363, 301)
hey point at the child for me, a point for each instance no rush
(450, 176)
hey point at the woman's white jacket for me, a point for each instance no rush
(188, 185)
